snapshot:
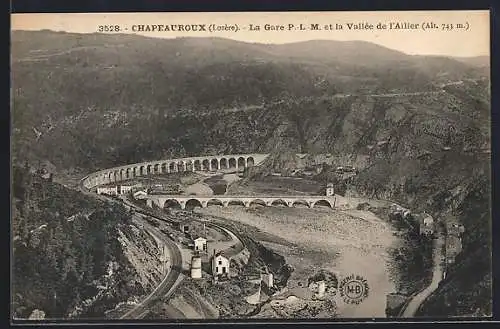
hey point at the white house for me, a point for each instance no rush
(108, 190)
(200, 244)
(220, 265)
(140, 194)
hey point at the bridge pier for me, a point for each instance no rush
(161, 203)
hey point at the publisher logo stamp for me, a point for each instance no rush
(353, 289)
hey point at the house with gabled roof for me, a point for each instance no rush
(220, 265)
(200, 244)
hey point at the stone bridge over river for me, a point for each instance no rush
(166, 201)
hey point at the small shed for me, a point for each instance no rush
(200, 244)
(185, 227)
(329, 189)
(267, 279)
(427, 225)
(428, 221)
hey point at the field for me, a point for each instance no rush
(276, 185)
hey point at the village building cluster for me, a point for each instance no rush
(118, 190)
(140, 189)
(398, 211)
(425, 222)
(218, 263)
(308, 165)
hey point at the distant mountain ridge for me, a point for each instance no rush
(349, 52)
(309, 48)
(480, 61)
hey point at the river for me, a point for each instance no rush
(347, 242)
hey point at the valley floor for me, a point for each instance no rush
(347, 242)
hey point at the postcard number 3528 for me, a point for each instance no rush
(108, 28)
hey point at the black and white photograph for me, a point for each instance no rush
(203, 166)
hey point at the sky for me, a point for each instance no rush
(474, 40)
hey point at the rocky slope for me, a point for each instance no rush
(145, 254)
(67, 261)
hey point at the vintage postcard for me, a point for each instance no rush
(251, 166)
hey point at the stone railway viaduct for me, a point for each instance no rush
(166, 201)
(207, 163)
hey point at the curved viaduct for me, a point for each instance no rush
(162, 201)
(206, 163)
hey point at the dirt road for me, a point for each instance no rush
(437, 276)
